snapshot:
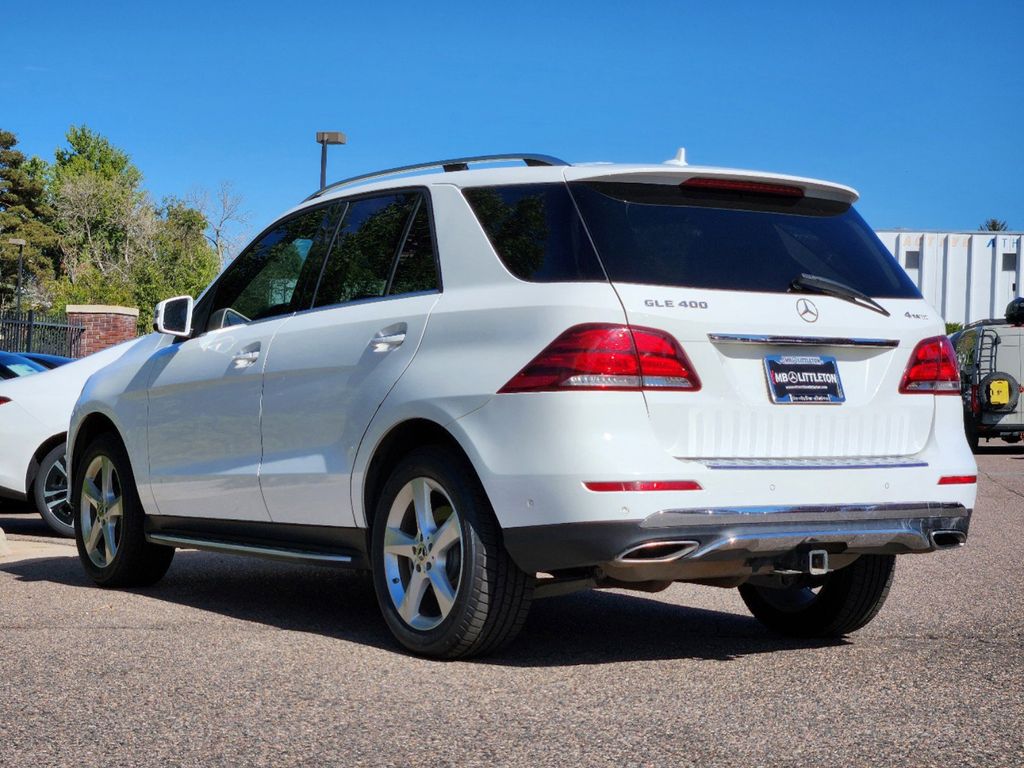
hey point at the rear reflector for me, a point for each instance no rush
(736, 185)
(958, 479)
(932, 369)
(607, 357)
(644, 485)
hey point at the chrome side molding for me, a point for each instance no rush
(255, 550)
(800, 341)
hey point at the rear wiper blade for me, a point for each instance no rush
(804, 283)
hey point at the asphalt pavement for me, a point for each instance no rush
(230, 661)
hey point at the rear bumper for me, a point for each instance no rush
(736, 541)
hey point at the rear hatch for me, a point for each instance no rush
(788, 369)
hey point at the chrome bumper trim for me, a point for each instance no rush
(801, 341)
(823, 513)
(868, 462)
(906, 535)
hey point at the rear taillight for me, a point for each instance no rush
(4, 400)
(932, 369)
(608, 357)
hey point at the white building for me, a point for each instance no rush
(967, 276)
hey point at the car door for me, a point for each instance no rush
(330, 368)
(204, 393)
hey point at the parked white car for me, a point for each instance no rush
(34, 415)
(493, 384)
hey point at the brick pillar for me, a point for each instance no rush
(105, 326)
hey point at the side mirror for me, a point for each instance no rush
(174, 316)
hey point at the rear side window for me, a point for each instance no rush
(416, 268)
(536, 232)
(360, 262)
(964, 344)
(662, 235)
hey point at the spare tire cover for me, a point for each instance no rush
(999, 392)
(1015, 312)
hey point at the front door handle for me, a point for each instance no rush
(246, 357)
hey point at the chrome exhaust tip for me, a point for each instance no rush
(657, 552)
(947, 539)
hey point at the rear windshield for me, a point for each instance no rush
(665, 235)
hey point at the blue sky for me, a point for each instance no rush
(919, 105)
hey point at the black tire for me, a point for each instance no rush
(984, 393)
(971, 430)
(52, 481)
(847, 600)
(492, 595)
(135, 562)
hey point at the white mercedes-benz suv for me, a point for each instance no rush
(488, 383)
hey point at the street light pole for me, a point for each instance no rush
(323, 138)
(21, 252)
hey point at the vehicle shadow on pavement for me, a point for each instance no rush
(596, 627)
(601, 627)
(1016, 450)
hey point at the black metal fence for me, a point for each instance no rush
(34, 332)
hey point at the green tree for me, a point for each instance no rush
(104, 218)
(24, 214)
(993, 225)
(116, 246)
(90, 153)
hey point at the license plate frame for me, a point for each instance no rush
(804, 380)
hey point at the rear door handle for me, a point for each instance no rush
(389, 338)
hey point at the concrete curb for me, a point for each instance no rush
(18, 548)
(41, 539)
(4, 549)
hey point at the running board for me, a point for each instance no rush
(337, 559)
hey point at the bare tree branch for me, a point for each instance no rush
(224, 214)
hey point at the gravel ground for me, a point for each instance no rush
(236, 662)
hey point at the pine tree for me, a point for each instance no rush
(24, 214)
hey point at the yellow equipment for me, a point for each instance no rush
(999, 392)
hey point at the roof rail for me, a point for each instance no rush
(455, 164)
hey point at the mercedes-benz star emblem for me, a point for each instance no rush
(807, 311)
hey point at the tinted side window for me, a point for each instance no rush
(536, 232)
(965, 348)
(275, 275)
(364, 249)
(416, 268)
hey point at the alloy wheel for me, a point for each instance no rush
(423, 553)
(55, 492)
(101, 509)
